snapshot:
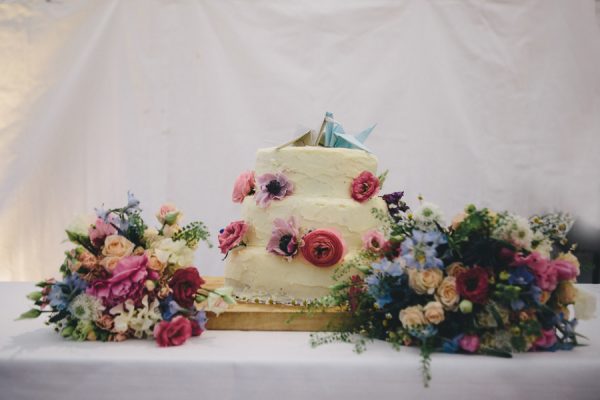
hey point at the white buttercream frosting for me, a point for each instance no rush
(322, 179)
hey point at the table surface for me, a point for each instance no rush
(36, 362)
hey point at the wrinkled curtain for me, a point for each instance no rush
(488, 102)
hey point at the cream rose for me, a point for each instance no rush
(585, 305)
(117, 246)
(425, 281)
(153, 262)
(109, 263)
(412, 316)
(447, 295)
(455, 269)
(434, 312)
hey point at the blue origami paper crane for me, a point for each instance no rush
(335, 136)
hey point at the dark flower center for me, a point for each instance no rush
(472, 283)
(365, 187)
(284, 242)
(274, 187)
(322, 251)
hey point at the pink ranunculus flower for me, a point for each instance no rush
(547, 340)
(232, 236)
(546, 276)
(373, 240)
(469, 343)
(99, 231)
(364, 186)
(565, 270)
(127, 282)
(174, 332)
(244, 186)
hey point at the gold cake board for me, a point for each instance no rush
(269, 317)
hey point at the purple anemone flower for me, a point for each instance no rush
(272, 187)
(285, 237)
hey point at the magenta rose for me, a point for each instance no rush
(127, 282)
(99, 231)
(565, 271)
(323, 248)
(244, 186)
(547, 340)
(232, 236)
(174, 332)
(469, 343)
(473, 284)
(185, 283)
(365, 186)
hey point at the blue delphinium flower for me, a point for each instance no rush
(517, 305)
(386, 267)
(133, 204)
(452, 346)
(378, 286)
(62, 293)
(169, 308)
(419, 250)
(423, 332)
(201, 319)
(536, 294)
(520, 276)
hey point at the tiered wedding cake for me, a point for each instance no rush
(304, 209)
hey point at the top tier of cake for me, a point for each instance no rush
(317, 171)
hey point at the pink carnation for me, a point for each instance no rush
(547, 340)
(232, 236)
(546, 275)
(99, 231)
(365, 186)
(127, 282)
(244, 186)
(469, 343)
(373, 240)
(565, 270)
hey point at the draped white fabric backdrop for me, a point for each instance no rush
(491, 102)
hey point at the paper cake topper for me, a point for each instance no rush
(331, 134)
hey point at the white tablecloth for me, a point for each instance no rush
(36, 363)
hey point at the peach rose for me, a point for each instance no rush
(154, 263)
(434, 312)
(455, 269)
(566, 293)
(117, 246)
(458, 219)
(425, 281)
(412, 316)
(447, 294)
(110, 263)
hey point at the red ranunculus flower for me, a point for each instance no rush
(365, 186)
(174, 332)
(185, 283)
(473, 285)
(323, 248)
(232, 236)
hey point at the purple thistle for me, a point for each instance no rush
(272, 187)
(284, 239)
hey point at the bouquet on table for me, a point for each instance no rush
(490, 283)
(126, 280)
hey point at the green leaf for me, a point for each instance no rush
(31, 314)
(34, 296)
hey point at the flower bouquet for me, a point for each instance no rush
(126, 280)
(490, 283)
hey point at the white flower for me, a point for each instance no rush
(81, 224)
(427, 215)
(151, 235)
(514, 229)
(86, 308)
(174, 252)
(543, 245)
(140, 320)
(585, 304)
(216, 304)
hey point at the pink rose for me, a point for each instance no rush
(546, 275)
(174, 332)
(547, 340)
(244, 186)
(127, 282)
(168, 214)
(469, 343)
(565, 270)
(99, 231)
(365, 186)
(373, 240)
(232, 236)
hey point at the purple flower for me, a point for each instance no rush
(272, 187)
(395, 204)
(284, 238)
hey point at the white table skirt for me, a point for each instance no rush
(36, 363)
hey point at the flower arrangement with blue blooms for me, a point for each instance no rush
(490, 283)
